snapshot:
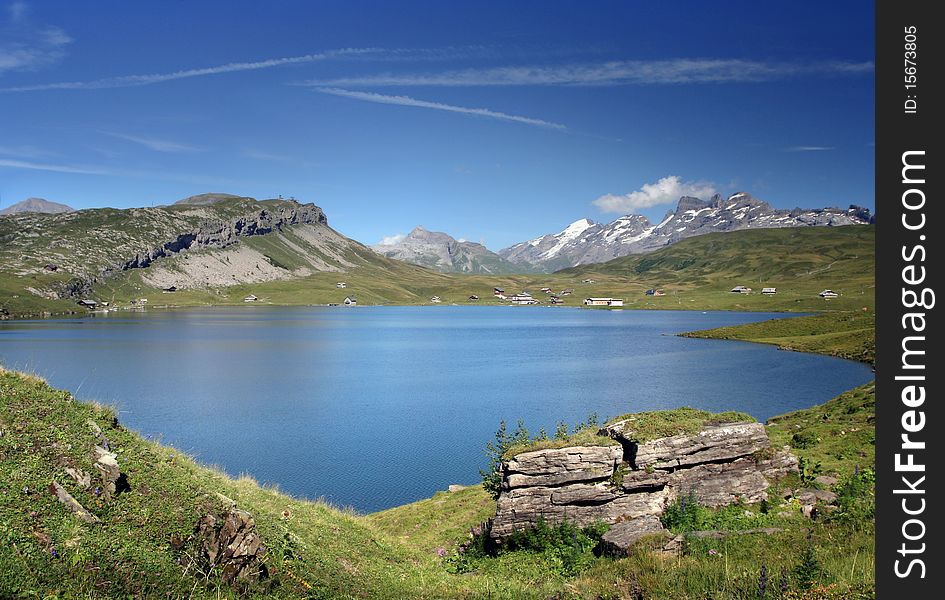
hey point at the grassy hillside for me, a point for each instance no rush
(799, 262)
(140, 548)
(849, 335)
(301, 264)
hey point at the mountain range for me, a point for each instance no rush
(36, 205)
(440, 251)
(585, 242)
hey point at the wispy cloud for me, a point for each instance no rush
(36, 166)
(25, 151)
(77, 169)
(665, 191)
(18, 11)
(27, 46)
(808, 148)
(627, 72)
(150, 79)
(391, 240)
(408, 101)
(158, 145)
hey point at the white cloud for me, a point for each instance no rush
(408, 101)
(25, 46)
(391, 240)
(155, 144)
(626, 72)
(808, 148)
(665, 191)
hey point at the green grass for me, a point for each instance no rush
(648, 426)
(840, 435)
(339, 554)
(849, 335)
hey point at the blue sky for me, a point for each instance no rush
(492, 121)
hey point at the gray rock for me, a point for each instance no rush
(826, 480)
(82, 478)
(619, 540)
(719, 484)
(581, 504)
(72, 504)
(715, 443)
(230, 542)
(814, 496)
(640, 480)
(779, 465)
(106, 463)
(561, 465)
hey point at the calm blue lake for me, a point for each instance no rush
(379, 406)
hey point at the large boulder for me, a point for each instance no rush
(721, 463)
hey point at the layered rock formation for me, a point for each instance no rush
(720, 464)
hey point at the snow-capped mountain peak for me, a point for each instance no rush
(584, 241)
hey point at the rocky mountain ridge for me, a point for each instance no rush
(36, 205)
(97, 244)
(585, 241)
(440, 251)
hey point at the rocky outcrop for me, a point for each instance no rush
(230, 543)
(719, 464)
(218, 234)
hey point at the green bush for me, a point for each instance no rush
(492, 477)
(856, 498)
(803, 440)
(567, 548)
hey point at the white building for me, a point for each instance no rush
(828, 294)
(769, 291)
(603, 302)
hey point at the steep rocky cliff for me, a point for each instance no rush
(721, 463)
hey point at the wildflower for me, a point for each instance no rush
(441, 551)
(713, 552)
(54, 553)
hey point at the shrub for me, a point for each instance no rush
(567, 547)
(492, 477)
(803, 440)
(856, 498)
(808, 571)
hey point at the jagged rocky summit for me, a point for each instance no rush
(440, 251)
(720, 464)
(584, 241)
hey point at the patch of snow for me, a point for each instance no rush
(668, 218)
(571, 233)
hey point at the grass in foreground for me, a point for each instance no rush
(320, 552)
